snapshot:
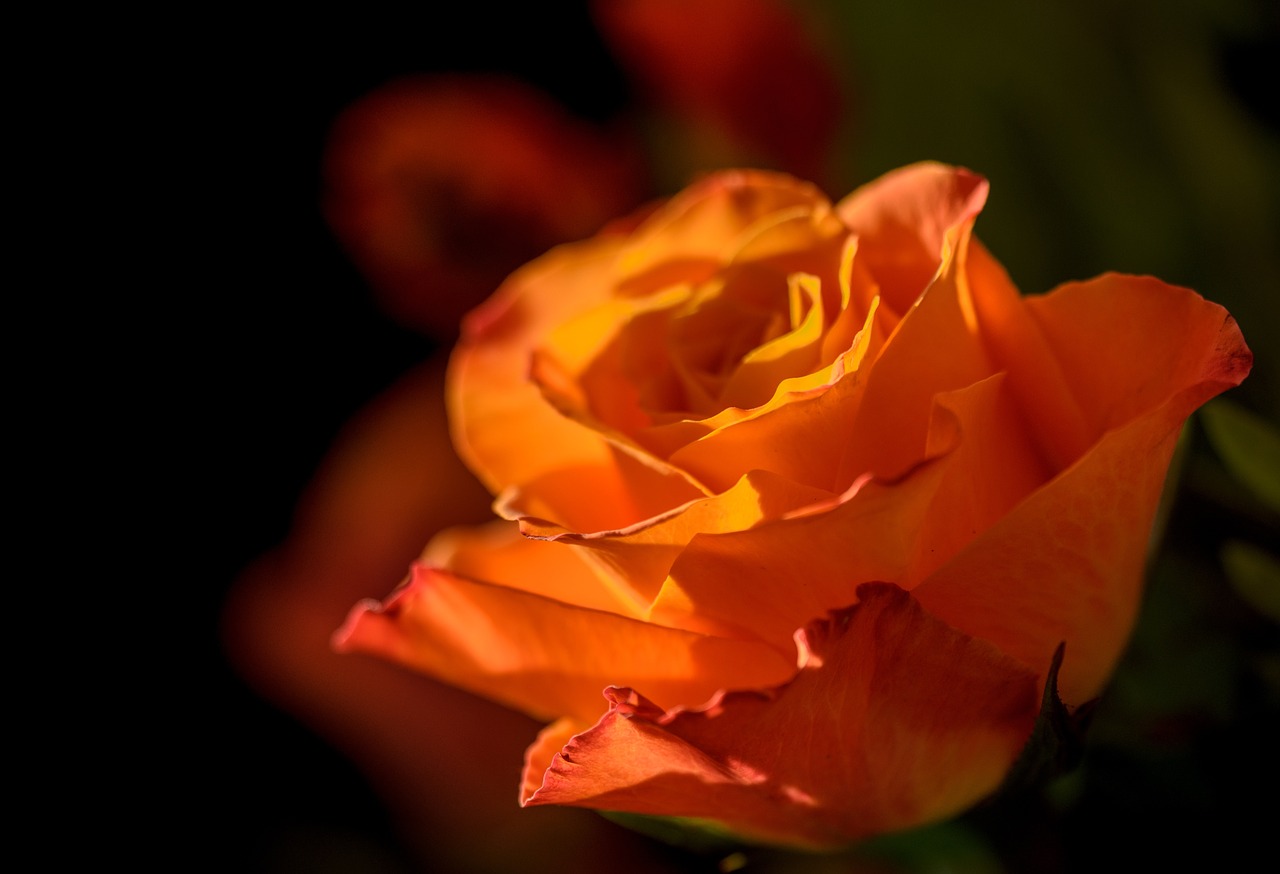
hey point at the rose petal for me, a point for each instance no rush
(992, 464)
(538, 757)
(668, 352)
(1081, 583)
(935, 348)
(772, 579)
(626, 487)
(610, 367)
(896, 720)
(545, 657)
(505, 430)
(503, 426)
(802, 412)
(792, 354)
(498, 553)
(1016, 344)
(769, 580)
(707, 224)
(859, 300)
(903, 219)
(1189, 348)
(640, 557)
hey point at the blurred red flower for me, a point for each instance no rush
(439, 186)
(749, 69)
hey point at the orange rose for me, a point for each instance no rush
(799, 500)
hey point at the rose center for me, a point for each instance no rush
(708, 341)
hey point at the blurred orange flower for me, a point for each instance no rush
(439, 186)
(748, 69)
(799, 499)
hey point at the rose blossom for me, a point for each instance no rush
(798, 501)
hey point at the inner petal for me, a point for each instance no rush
(709, 341)
(792, 353)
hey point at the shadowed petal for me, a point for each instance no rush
(895, 720)
(1090, 525)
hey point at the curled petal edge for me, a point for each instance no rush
(894, 720)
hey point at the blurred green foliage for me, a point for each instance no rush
(1248, 446)
(1256, 575)
(1111, 132)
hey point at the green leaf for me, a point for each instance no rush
(696, 835)
(1056, 744)
(1248, 445)
(1255, 574)
(949, 847)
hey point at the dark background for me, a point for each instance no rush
(287, 343)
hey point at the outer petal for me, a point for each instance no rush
(543, 656)
(896, 720)
(1067, 563)
(550, 741)
(1189, 349)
